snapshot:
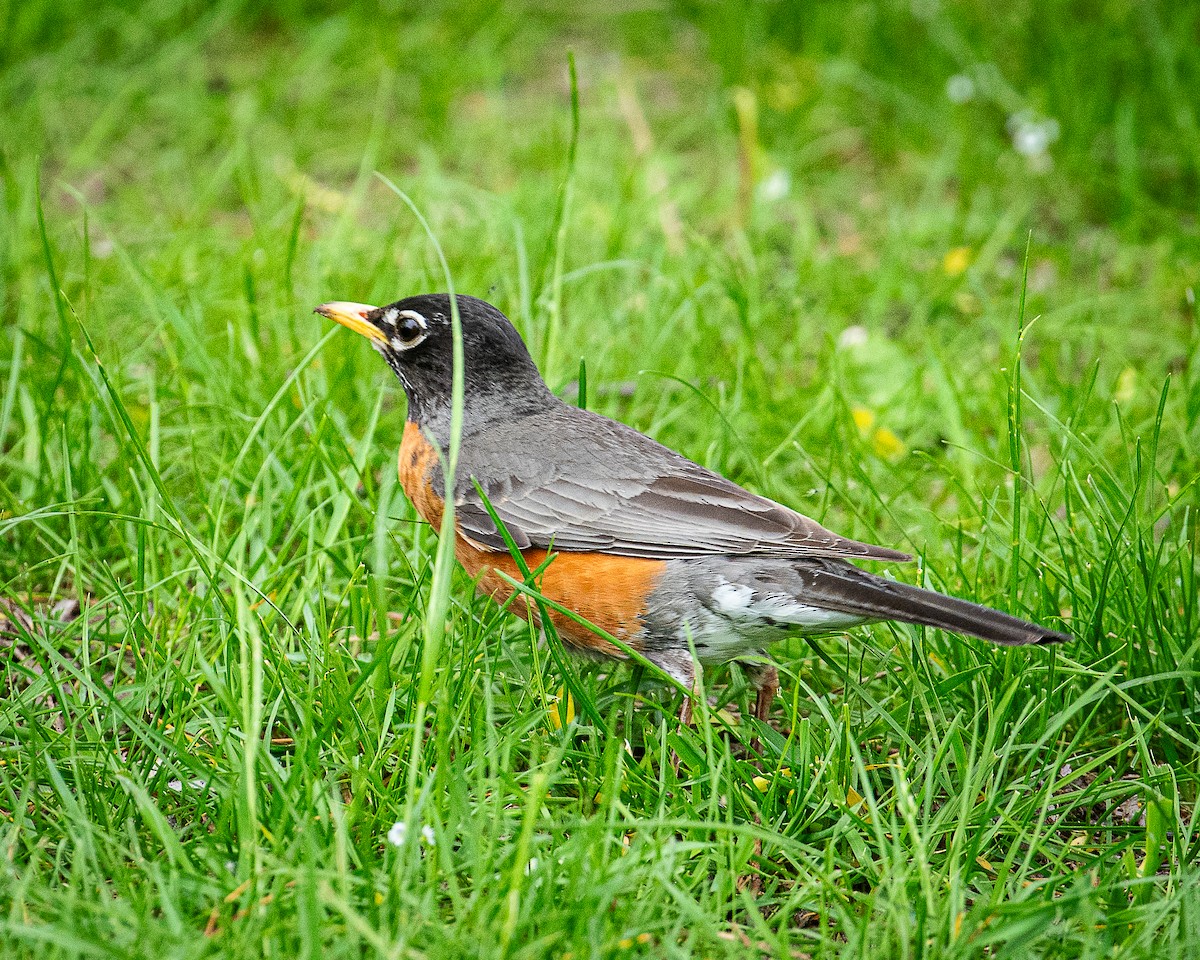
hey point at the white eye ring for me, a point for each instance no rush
(418, 329)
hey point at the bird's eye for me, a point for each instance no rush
(411, 328)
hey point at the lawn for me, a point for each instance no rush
(923, 271)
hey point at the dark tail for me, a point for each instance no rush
(841, 586)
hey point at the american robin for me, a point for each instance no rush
(656, 550)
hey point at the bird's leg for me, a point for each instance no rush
(685, 712)
(688, 672)
(692, 682)
(764, 678)
(681, 667)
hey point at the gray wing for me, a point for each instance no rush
(575, 481)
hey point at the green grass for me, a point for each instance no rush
(207, 760)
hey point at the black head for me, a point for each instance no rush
(415, 337)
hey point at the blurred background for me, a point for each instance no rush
(774, 176)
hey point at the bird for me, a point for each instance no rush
(676, 561)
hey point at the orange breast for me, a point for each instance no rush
(608, 591)
(418, 457)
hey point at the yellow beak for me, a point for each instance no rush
(354, 316)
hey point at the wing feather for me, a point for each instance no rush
(574, 481)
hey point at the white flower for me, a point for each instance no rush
(1029, 140)
(1031, 137)
(775, 187)
(427, 836)
(960, 88)
(851, 337)
(397, 834)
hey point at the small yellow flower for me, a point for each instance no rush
(857, 803)
(956, 261)
(558, 720)
(864, 419)
(886, 444)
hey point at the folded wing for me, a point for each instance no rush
(602, 486)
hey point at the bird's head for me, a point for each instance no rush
(416, 338)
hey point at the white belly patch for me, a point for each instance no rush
(741, 618)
